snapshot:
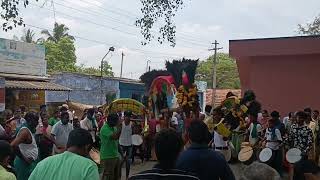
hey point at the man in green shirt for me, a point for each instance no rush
(71, 164)
(109, 154)
(53, 120)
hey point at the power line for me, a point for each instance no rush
(103, 25)
(187, 37)
(118, 46)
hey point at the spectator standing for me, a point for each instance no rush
(90, 124)
(23, 110)
(125, 141)
(180, 118)
(168, 145)
(312, 125)
(44, 138)
(72, 164)
(25, 147)
(264, 120)
(17, 121)
(200, 159)
(4, 161)
(109, 152)
(55, 118)
(60, 132)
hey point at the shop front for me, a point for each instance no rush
(31, 94)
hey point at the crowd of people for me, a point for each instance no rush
(34, 146)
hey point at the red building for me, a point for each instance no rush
(284, 72)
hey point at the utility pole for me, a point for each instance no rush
(122, 55)
(214, 69)
(148, 66)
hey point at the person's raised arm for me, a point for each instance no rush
(22, 137)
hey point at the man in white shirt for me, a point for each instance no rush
(60, 132)
(89, 123)
(274, 142)
(220, 144)
(125, 141)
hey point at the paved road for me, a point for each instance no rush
(138, 167)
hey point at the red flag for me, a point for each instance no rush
(185, 79)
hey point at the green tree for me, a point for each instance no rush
(28, 36)
(107, 70)
(154, 11)
(59, 31)
(312, 28)
(61, 55)
(227, 72)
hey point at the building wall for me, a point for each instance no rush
(85, 89)
(283, 72)
(132, 90)
(286, 83)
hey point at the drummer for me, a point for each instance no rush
(274, 140)
(301, 136)
(254, 130)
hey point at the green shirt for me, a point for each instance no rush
(5, 175)
(109, 147)
(52, 121)
(67, 165)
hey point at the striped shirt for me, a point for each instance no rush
(160, 174)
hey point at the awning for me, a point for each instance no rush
(35, 85)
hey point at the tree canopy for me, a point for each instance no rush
(161, 12)
(312, 28)
(107, 70)
(59, 31)
(28, 36)
(227, 72)
(61, 55)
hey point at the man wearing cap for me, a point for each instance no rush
(125, 141)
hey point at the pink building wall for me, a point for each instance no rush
(283, 72)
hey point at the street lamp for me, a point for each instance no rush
(101, 68)
(101, 73)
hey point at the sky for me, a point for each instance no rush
(99, 24)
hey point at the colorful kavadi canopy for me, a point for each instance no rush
(126, 104)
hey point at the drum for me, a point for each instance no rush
(293, 155)
(95, 155)
(246, 155)
(245, 144)
(265, 155)
(136, 140)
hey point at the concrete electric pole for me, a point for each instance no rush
(122, 55)
(214, 70)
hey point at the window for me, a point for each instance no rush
(13, 45)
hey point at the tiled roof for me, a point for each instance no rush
(35, 85)
(219, 95)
